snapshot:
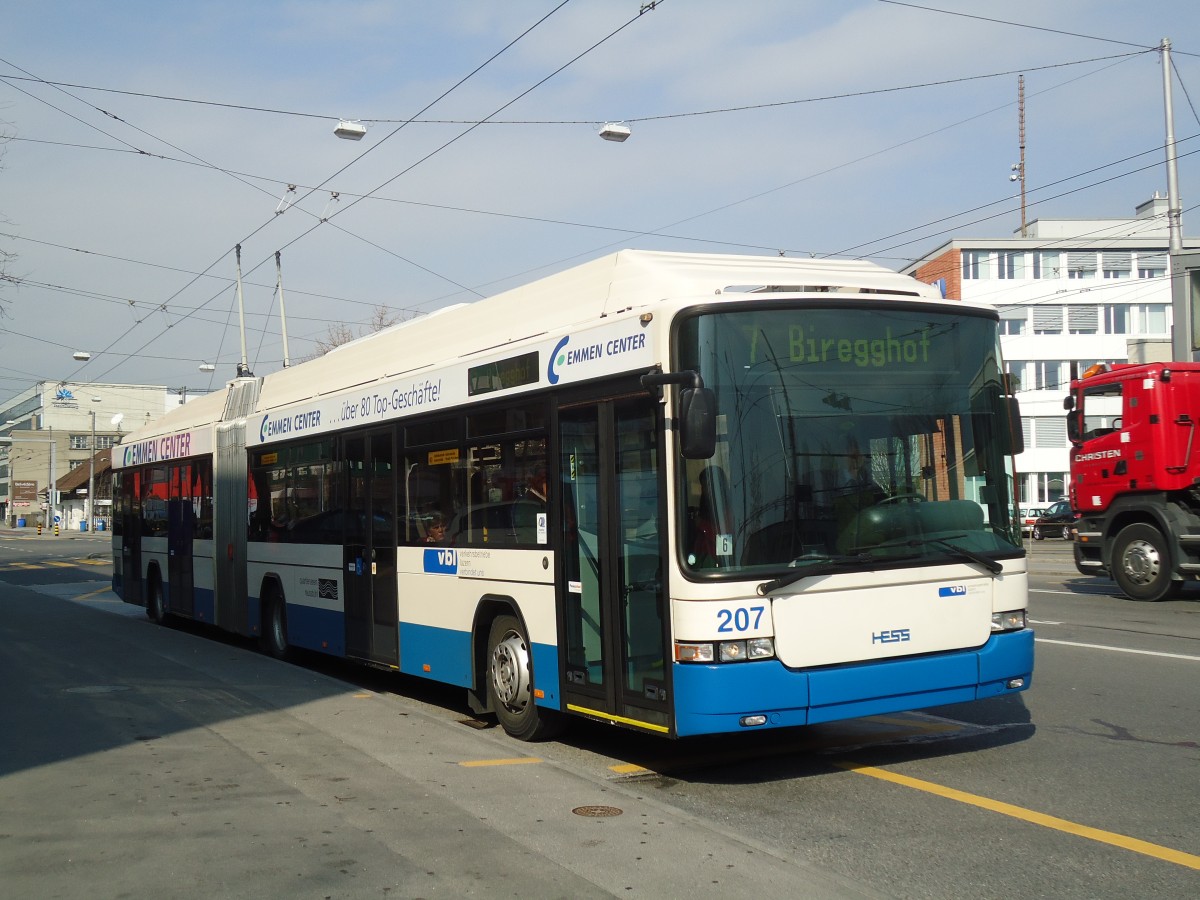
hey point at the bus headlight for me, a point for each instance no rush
(1013, 620)
(726, 651)
(754, 648)
(701, 653)
(760, 648)
(733, 651)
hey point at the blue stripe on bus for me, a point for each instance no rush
(447, 653)
(545, 667)
(317, 629)
(205, 608)
(714, 698)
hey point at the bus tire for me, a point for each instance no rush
(1141, 564)
(156, 607)
(274, 640)
(510, 683)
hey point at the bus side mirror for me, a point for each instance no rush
(697, 423)
(1015, 430)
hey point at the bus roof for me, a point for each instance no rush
(582, 295)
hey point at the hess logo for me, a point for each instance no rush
(891, 636)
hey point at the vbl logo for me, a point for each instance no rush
(957, 590)
(893, 636)
(441, 561)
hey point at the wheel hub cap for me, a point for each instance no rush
(510, 672)
(1141, 562)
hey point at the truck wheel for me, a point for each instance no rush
(1141, 564)
(510, 683)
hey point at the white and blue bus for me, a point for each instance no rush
(680, 493)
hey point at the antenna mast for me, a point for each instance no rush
(1021, 130)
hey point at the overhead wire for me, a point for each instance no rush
(370, 194)
(1025, 25)
(463, 134)
(342, 169)
(491, 120)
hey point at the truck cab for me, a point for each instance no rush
(1135, 469)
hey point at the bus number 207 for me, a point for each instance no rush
(740, 619)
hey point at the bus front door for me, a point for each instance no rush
(613, 587)
(369, 556)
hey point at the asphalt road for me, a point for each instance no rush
(143, 761)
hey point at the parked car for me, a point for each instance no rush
(1058, 519)
(1029, 515)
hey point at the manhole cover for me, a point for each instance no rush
(98, 689)
(596, 812)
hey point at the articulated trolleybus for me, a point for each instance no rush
(679, 493)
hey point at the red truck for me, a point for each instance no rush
(1135, 475)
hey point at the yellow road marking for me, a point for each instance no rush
(521, 760)
(628, 769)
(103, 590)
(1027, 815)
(60, 564)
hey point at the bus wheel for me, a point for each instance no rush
(1141, 564)
(510, 683)
(156, 607)
(274, 640)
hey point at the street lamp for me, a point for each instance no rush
(615, 131)
(349, 130)
(89, 516)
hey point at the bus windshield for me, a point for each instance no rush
(849, 436)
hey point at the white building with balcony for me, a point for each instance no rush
(1070, 291)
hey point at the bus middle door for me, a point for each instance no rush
(613, 589)
(369, 554)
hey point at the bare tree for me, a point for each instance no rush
(339, 333)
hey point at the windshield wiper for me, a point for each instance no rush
(970, 555)
(831, 566)
(861, 556)
(944, 543)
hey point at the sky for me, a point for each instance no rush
(142, 142)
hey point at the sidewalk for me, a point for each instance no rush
(31, 531)
(153, 762)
